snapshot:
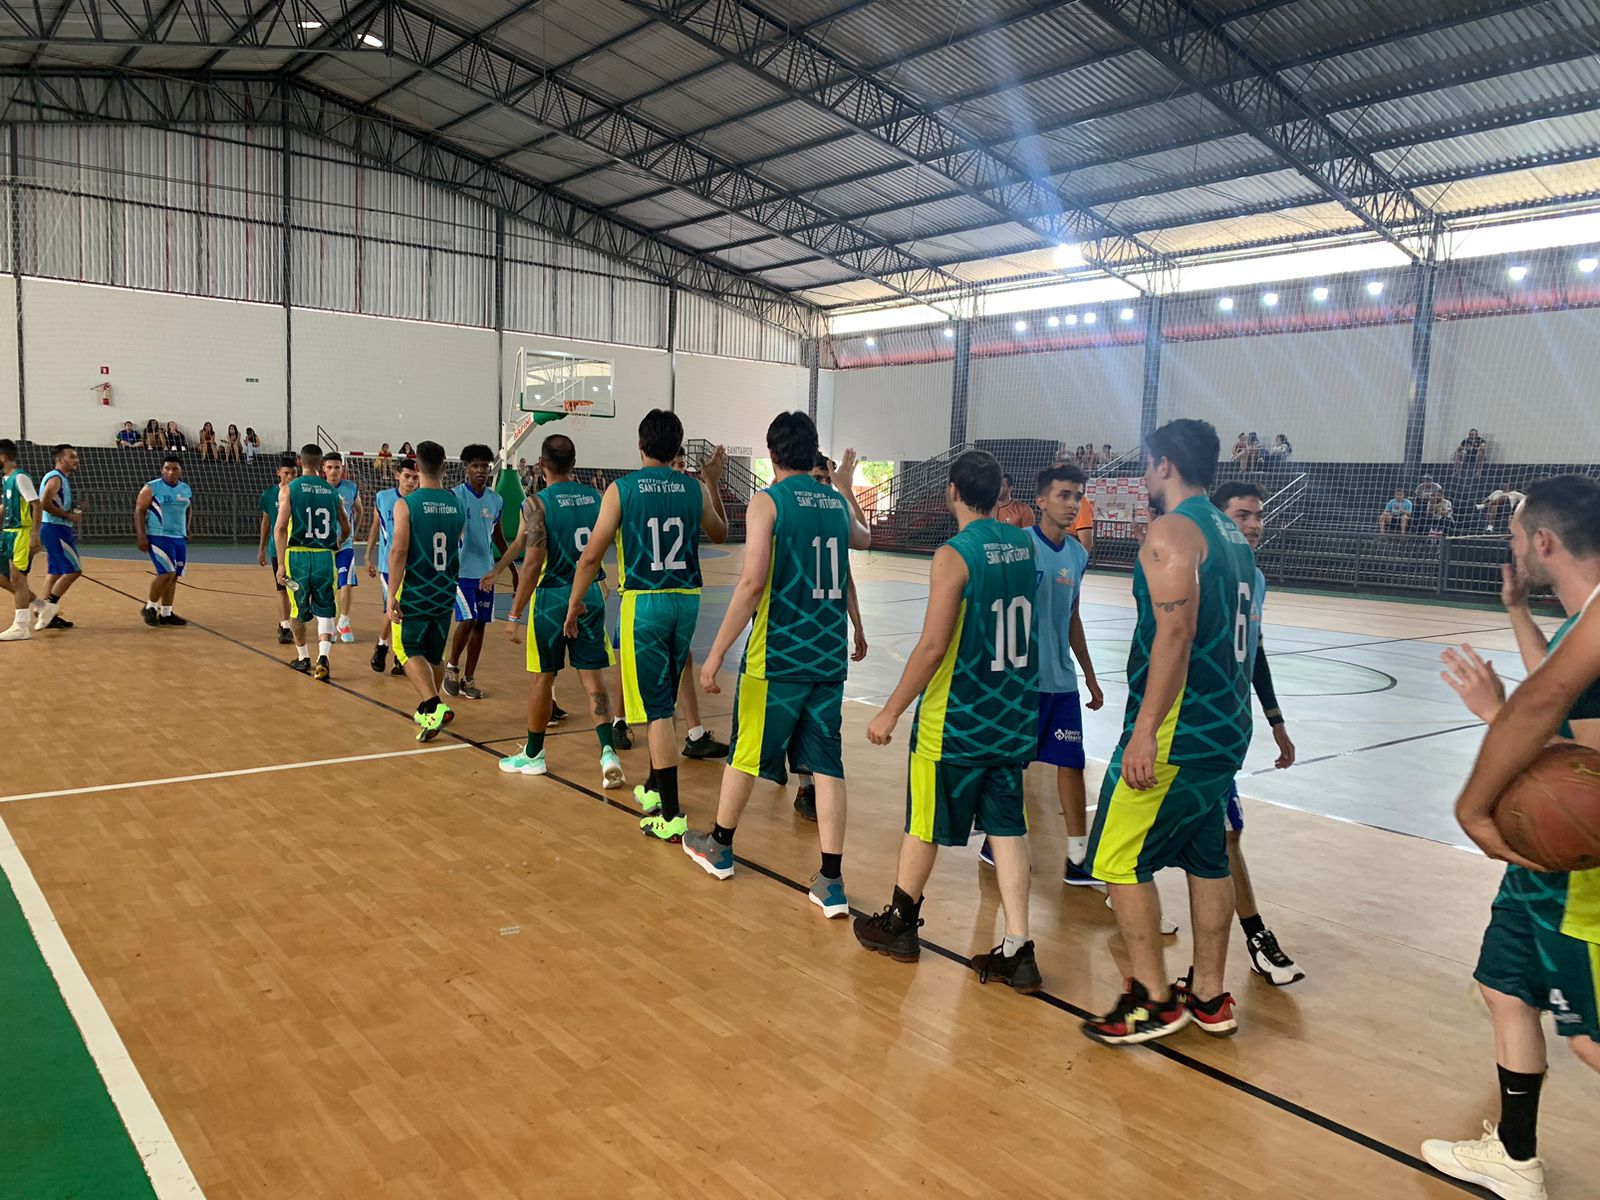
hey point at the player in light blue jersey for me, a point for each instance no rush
(161, 525)
(1243, 502)
(58, 533)
(482, 543)
(378, 535)
(344, 559)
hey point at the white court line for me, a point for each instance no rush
(164, 1163)
(294, 766)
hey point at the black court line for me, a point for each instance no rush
(1216, 1074)
(1415, 737)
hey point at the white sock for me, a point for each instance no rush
(698, 732)
(1077, 849)
(1011, 945)
(152, 606)
(323, 647)
(283, 624)
(166, 610)
(302, 652)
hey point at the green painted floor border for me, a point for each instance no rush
(61, 1137)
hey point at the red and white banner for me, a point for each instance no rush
(1121, 506)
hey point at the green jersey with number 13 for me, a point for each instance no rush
(313, 514)
(433, 556)
(659, 537)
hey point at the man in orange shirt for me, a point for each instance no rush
(1083, 526)
(1011, 510)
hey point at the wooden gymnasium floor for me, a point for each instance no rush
(345, 969)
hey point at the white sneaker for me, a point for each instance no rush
(20, 630)
(1485, 1163)
(1168, 925)
(47, 613)
(611, 770)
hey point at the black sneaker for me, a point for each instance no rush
(59, 623)
(173, 619)
(705, 746)
(805, 801)
(303, 665)
(1021, 970)
(285, 638)
(380, 658)
(320, 672)
(621, 735)
(397, 669)
(151, 617)
(1138, 1018)
(1268, 960)
(887, 933)
(557, 713)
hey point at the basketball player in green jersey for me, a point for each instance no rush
(311, 527)
(976, 669)
(1164, 799)
(19, 540)
(424, 560)
(653, 514)
(790, 699)
(557, 524)
(1541, 951)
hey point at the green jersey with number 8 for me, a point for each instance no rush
(433, 556)
(1209, 723)
(570, 510)
(313, 514)
(658, 541)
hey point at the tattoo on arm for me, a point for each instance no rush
(602, 704)
(1170, 605)
(537, 533)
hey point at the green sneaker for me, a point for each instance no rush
(649, 802)
(661, 829)
(611, 771)
(429, 724)
(520, 764)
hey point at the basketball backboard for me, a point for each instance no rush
(552, 384)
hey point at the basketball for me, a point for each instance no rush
(1551, 812)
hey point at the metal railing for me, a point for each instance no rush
(1286, 508)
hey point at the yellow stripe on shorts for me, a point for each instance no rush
(924, 795)
(1130, 816)
(632, 699)
(398, 645)
(752, 725)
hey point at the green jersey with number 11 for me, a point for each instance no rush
(433, 556)
(658, 541)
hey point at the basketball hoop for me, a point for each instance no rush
(577, 411)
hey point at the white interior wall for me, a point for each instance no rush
(733, 400)
(370, 380)
(641, 379)
(1340, 395)
(1073, 396)
(10, 394)
(171, 357)
(899, 414)
(825, 386)
(1525, 382)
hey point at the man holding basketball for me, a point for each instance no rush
(1541, 951)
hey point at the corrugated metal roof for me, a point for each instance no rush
(726, 91)
(553, 31)
(849, 156)
(1521, 145)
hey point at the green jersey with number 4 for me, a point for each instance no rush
(570, 510)
(433, 556)
(313, 514)
(1208, 725)
(658, 539)
(799, 629)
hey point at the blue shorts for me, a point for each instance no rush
(1235, 817)
(169, 554)
(344, 566)
(1060, 730)
(60, 549)
(474, 602)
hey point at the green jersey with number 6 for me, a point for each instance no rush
(799, 629)
(982, 704)
(1209, 723)
(659, 537)
(433, 555)
(313, 513)
(570, 510)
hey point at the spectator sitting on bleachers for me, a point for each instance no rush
(406, 451)
(1441, 516)
(1471, 453)
(1399, 508)
(252, 444)
(154, 439)
(233, 448)
(1427, 490)
(385, 461)
(127, 436)
(208, 442)
(1502, 499)
(1280, 452)
(1011, 510)
(176, 441)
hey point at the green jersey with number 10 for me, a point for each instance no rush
(570, 510)
(658, 541)
(433, 556)
(313, 514)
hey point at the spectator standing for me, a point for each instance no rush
(176, 441)
(1471, 453)
(127, 437)
(1398, 509)
(208, 442)
(1011, 510)
(233, 448)
(154, 439)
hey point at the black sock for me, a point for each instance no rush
(832, 864)
(650, 782)
(54, 599)
(722, 835)
(427, 706)
(1519, 1112)
(1252, 925)
(615, 721)
(667, 785)
(905, 907)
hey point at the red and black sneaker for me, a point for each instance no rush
(1138, 1018)
(1215, 1016)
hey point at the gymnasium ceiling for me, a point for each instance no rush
(847, 152)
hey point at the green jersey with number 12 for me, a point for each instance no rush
(658, 539)
(433, 556)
